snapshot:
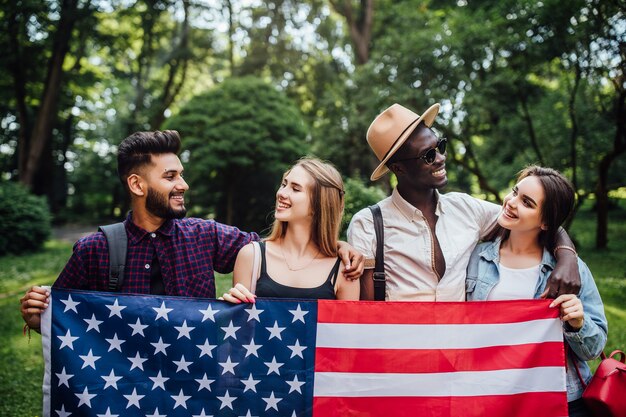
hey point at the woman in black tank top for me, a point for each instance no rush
(299, 257)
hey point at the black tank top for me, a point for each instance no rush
(267, 287)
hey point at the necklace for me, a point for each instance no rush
(299, 268)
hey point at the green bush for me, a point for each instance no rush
(358, 196)
(239, 138)
(24, 220)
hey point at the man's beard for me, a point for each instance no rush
(158, 205)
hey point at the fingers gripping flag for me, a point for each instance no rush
(110, 354)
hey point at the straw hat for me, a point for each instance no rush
(391, 129)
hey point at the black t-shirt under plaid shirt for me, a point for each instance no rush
(188, 251)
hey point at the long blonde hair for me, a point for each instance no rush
(326, 203)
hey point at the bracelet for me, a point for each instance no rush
(567, 248)
(26, 329)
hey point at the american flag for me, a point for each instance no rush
(111, 354)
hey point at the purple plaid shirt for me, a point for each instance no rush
(188, 250)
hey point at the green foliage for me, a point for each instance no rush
(21, 364)
(608, 266)
(520, 82)
(358, 196)
(21, 361)
(24, 220)
(240, 137)
(41, 268)
(95, 185)
(30, 33)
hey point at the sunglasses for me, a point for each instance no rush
(430, 155)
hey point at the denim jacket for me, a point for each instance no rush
(587, 343)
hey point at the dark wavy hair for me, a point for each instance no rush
(558, 204)
(136, 150)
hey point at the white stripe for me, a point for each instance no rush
(440, 336)
(46, 343)
(445, 384)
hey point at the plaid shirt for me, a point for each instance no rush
(188, 250)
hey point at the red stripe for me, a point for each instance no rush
(397, 312)
(540, 404)
(440, 360)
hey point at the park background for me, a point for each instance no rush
(254, 85)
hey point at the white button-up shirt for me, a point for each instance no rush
(409, 246)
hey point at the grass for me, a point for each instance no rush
(20, 272)
(21, 362)
(21, 365)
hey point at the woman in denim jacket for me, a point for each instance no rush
(516, 261)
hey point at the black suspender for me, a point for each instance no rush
(379, 266)
(118, 243)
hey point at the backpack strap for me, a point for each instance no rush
(118, 244)
(379, 266)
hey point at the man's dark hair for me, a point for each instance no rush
(136, 150)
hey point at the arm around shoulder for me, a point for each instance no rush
(228, 241)
(565, 279)
(590, 340)
(361, 234)
(486, 214)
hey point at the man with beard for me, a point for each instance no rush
(428, 236)
(167, 253)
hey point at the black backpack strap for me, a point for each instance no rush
(379, 266)
(118, 244)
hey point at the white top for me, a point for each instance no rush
(462, 221)
(515, 284)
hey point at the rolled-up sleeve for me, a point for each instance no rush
(362, 236)
(228, 240)
(486, 214)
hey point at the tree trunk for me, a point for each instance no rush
(602, 208)
(230, 201)
(574, 131)
(483, 182)
(43, 180)
(121, 200)
(602, 188)
(471, 163)
(180, 62)
(144, 64)
(231, 36)
(360, 27)
(58, 200)
(19, 87)
(581, 197)
(531, 129)
(48, 110)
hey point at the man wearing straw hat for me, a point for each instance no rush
(429, 236)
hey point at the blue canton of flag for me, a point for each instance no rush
(110, 354)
